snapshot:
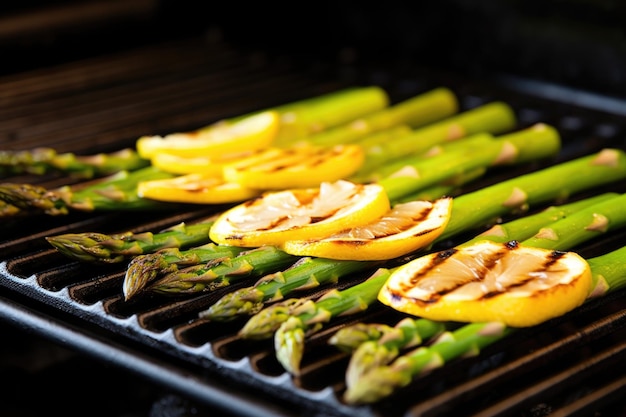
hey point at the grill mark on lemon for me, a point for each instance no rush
(512, 283)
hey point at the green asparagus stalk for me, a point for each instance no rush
(416, 111)
(210, 276)
(471, 144)
(41, 161)
(292, 320)
(116, 192)
(494, 118)
(303, 118)
(169, 260)
(380, 381)
(308, 117)
(100, 247)
(383, 381)
(306, 273)
(538, 142)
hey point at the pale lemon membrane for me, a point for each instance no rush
(517, 285)
(301, 213)
(407, 227)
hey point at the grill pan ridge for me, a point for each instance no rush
(569, 365)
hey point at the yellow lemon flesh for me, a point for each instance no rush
(405, 228)
(510, 283)
(195, 189)
(302, 213)
(250, 133)
(305, 166)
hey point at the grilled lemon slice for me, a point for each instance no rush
(305, 166)
(405, 228)
(250, 133)
(302, 213)
(210, 165)
(195, 189)
(517, 285)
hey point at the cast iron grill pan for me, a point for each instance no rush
(568, 366)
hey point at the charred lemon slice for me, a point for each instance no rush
(305, 166)
(405, 228)
(211, 165)
(517, 285)
(303, 213)
(250, 133)
(195, 189)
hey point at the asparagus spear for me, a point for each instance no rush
(469, 211)
(200, 277)
(495, 118)
(566, 233)
(292, 320)
(100, 247)
(416, 111)
(171, 259)
(46, 160)
(306, 273)
(309, 116)
(116, 192)
(539, 141)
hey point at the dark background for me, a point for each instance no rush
(580, 43)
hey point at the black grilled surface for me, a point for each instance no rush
(569, 366)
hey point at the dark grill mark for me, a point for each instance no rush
(487, 265)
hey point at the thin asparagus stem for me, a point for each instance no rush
(609, 272)
(537, 142)
(41, 161)
(302, 118)
(116, 192)
(100, 247)
(310, 116)
(306, 273)
(416, 111)
(213, 275)
(384, 380)
(145, 268)
(493, 118)
(516, 195)
(306, 316)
